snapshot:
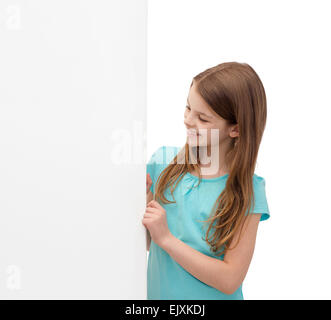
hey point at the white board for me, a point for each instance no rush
(72, 107)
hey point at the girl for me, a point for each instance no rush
(212, 183)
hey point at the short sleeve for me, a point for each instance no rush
(261, 203)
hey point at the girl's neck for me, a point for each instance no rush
(213, 163)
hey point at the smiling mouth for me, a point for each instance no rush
(192, 134)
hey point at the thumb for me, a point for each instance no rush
(149, 179)
(149, 182)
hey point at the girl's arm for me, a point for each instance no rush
(226, 275)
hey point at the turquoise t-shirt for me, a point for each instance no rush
(166, 279)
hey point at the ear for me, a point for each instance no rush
(234, 131)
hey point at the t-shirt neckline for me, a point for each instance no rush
(208, 179)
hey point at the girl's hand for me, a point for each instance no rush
(149, 182)
(155, 220)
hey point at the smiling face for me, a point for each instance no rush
(201, 119)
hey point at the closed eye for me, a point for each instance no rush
(199, 117)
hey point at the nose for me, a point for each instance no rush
(188, 122)
(190, 127)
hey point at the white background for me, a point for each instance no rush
(287, 43)
(62, 65)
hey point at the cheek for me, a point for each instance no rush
(215, 136)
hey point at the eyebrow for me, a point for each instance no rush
(199, 112)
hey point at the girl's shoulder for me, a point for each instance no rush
(258, 180)
(164, 154)
(159, 160)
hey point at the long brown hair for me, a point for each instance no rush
(235, 92)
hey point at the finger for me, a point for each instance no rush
(148, 215)
(154, 204)
(148, 182)
(151, 210)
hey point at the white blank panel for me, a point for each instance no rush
(72, 149)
